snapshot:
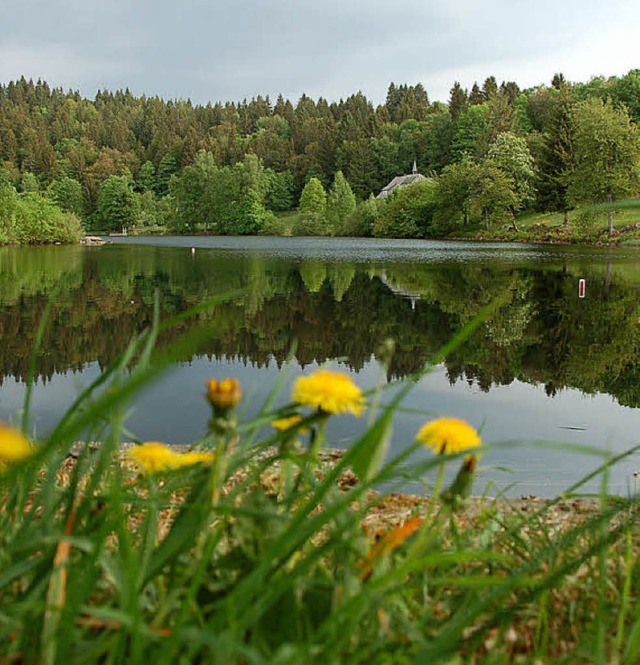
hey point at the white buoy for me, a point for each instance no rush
(193, 250)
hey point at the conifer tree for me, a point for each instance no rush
(313, 198)
(555, 159)
(475, 95)
(457, 100)
(489, 87)
(147, 177)
(341, 202)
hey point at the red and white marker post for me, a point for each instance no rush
(582, 288)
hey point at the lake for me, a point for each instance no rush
(547, 366)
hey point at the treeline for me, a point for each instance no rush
(492, 151)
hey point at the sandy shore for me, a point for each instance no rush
(387, 511)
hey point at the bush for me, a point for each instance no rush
(363, 219)
(273, 226)
(30, 218)
(587, 223)
(66, 229)
(311, 224)
(407, 213)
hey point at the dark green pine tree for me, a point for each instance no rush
(458, 100)
(475, 96)
(555, 159)
(490, 87)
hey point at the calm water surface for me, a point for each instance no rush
(547, 366)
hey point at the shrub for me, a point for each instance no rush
(407, 213)
(311, 224)
(273, 226)
(31, 218)
(363, 219)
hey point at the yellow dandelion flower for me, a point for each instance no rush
(331, 392)
(283, 424)
(195, 457)
(448, 435)
(154, 457)
(13, 446)
(224, 394)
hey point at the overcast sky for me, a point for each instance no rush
(207, 50)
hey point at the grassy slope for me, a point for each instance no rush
(587, 224)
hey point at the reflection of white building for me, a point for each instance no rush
(402, 181)
(398, 290)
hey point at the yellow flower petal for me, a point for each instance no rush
(448, 435)
(13, 446)
(154, 457)
(331, 392)
(195, 457)
(283, 424)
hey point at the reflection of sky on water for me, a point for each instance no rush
(371, 249)
(174, 410)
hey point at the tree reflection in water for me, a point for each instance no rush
(541, 334)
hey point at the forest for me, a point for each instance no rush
(70, 165)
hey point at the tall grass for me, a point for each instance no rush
(266, 554)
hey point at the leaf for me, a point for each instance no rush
(18, 570)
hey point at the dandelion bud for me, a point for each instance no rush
(456, 495)
(223, 395)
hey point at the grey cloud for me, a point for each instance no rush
(209, 50)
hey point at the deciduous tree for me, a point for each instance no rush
(118, 206)
(493, 195)
(453, 194)
(68, 194)
(606, 158)
(407, 213)
(511, 154)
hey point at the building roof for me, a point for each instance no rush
(401, 181)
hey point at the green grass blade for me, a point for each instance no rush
(32, 365)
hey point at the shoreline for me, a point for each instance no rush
(387, 511)
(615, 241)
(620, 238)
